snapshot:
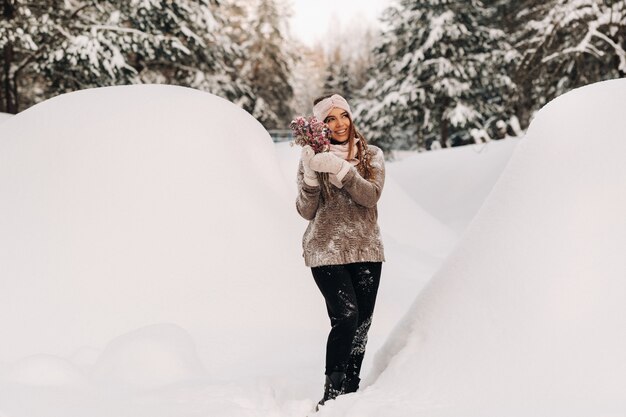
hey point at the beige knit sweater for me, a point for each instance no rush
(343, 225)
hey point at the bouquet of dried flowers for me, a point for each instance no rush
(311, 132)
(316, 134)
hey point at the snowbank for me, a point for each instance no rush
(151, 357)
(3, 118)
(45, 371)
(527, 316)
(452, 184)
(128, 206)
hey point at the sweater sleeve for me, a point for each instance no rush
(367, 192)
(308, 198)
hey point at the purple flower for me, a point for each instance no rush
(311, 132)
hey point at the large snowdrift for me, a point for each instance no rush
(128, 206)
(150, 257)
(452, 184)
(527, 316)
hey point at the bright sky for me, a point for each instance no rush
(312, 18)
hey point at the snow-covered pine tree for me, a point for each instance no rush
(439, 72)
(338, 64)
(12, 44)
(160, 41)
(338, 80)
(268, 59)
(88, 47)
(331, 83)
(344, 82)
(508, 18)
(364, 35)
(75, 44)
(307, 78)
(348, 55)
(569, 43)
(238, 17)
(29, 32)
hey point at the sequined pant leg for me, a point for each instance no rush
(366, 279)
(350, 294)
(335, 284)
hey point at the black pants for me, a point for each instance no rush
(350, 293)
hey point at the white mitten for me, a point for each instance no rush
(335, 181)
(331, 163)
(310, 177)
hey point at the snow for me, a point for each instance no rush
(151, 266)
(45, 371)
(148, 358)
(135, 214)
(526, 316)
(451, 184)
(5, 116)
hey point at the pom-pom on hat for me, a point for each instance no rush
(324, 107)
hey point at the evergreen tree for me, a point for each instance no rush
(338, 80)
(331, 82)
(362, 60)
(348, 53)
(267, 65)
(307, 78)
(28, 31)
(439, 72)
(509, 19)
(185, 44)
(344, 84)
(76, 44)
(567, 44)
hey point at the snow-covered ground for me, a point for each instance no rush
(451, 184)
(5, 116)
(150, 266)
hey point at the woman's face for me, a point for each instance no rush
(339, 123)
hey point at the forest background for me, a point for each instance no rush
(429, 74)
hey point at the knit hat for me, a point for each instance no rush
(324, 107)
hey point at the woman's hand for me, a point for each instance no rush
(310, 177)
(331, 163)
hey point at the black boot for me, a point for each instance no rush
(351, 384)
(333, 387)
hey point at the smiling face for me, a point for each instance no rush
(339, 123)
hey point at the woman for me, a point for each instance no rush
(342, 243)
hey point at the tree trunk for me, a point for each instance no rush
(420, 140)
(522, 103)
(8, 9)
(443, 122)
(9, 90)
(9, 87)
(522, 112)
(443, 128)
(418, 133)
(621, 73)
